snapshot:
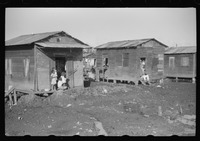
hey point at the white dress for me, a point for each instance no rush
(54, 78)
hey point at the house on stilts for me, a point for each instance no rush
(121, 60)
(180, 62)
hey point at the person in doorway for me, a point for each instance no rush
(142, 66)
(53, 79)
(63, 77)
(60, 84)
(145, 78)
(67, 83)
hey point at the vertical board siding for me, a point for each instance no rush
(179, 70)
(43, 70)
(17, 78)
(78, 75)
(124, 64)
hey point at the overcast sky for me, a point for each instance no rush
(96, 26)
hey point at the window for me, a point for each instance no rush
(119, 60)
(184, 61)
(105, 60)
(8, 66)
(171, 62)
(125, 59)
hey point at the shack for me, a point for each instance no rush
(89, 60)
(121, 60)
(180, 62)
(29, 60)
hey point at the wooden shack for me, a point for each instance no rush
(180, 62)
(123, 59)
(29, 60)
(89, 60)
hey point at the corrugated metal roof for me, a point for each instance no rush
(179, 50)
(89, 55)
(30, 38)
(59, 45)
(33, 38)
(125, 43)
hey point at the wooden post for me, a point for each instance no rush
(10, 99)
(194, 68)
(193, 80)
(35, 69)
(15, 97)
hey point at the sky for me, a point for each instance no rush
(96, 26)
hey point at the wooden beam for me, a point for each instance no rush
(194, 65)
(9, 91)
(35, 69)
(15, 97)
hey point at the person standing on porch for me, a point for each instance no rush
(53, 78)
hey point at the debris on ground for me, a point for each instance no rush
(106, 109)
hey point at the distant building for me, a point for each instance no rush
(180, 62)
(89, 60)
(30, 58)
(121, 60)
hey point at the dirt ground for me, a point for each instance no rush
(107, 109)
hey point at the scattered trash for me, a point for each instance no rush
(104, 90)
(146, 116)
(188, 119)
(19, 118)
(189, 131)
(99, 127)
(69, 105)
(90, 131)
(158, 86)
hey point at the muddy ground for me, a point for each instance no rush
(107, 109)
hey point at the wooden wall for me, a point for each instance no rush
(43, 70)
(178, 70)
(151, 51)
(18, 78)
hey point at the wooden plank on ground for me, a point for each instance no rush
(9, 91)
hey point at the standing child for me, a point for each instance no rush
(53, 78)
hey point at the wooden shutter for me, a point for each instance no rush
(119, 60)
(125, 59)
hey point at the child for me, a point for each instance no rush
(145, 78)
(63, 78)
(60, 84)
(53, 78)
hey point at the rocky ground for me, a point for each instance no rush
(107, 109)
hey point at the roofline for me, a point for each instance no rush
(148, 39)
(55, 32)
(180, 53)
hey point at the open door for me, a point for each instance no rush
(60, 65)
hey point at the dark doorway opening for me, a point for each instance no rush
(143, 64)
(60, 65)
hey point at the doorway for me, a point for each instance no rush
(60, 65)
(143, 64)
